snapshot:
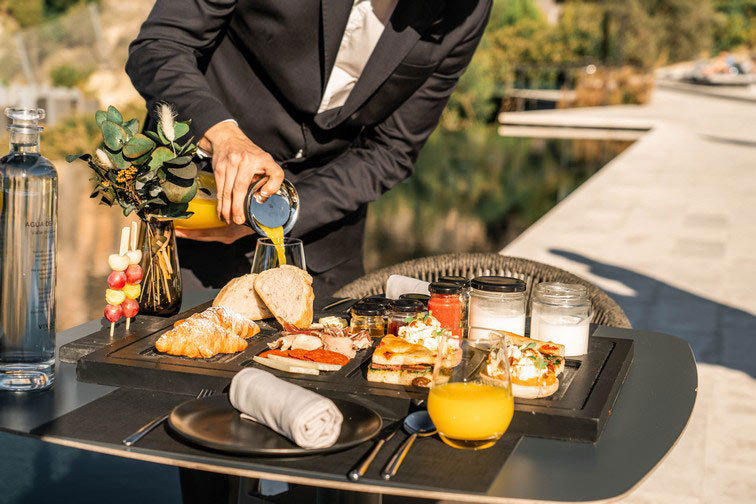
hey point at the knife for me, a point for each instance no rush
(384, 437)
(335, 304)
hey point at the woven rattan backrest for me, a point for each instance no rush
(605, 310)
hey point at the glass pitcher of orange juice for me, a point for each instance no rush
(472, 404)
(280, 210)
(202, 206)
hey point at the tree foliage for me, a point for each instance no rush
(521, 49)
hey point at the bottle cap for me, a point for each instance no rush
(444, 288)
(25, 118)
(380, 300)
(459, 280)
(407, 306)
(368, 309)
(423, 298)
(498, 284)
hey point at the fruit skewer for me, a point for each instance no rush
(132, 289)
(123, 281)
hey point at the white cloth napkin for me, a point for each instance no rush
(308, 419)
(396, 285)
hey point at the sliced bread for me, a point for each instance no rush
(240, 296)
(287, 292)
(305, 276)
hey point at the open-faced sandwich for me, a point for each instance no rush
(534, 366)
(408, 359)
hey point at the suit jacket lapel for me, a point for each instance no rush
(334, 15)
(408, 22)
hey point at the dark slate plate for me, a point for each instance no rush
(213, 423)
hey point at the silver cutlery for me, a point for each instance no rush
(361, 467)
(143, 431)
(416, 424)
(336, 303)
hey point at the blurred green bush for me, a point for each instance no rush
(66, 75)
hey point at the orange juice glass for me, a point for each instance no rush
(470, 409)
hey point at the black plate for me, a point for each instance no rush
(213, 423)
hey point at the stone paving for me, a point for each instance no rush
(668, 228)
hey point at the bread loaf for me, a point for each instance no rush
(240, 296)
(287, 292)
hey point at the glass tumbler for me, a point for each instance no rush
(470, 400)
(267, 254)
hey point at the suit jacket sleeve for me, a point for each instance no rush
(385, 155)
(165, 59)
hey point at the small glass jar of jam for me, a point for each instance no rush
(446, 304)
(463, 282)
(380, 300)
(423, 298)
(401, 311)
(370, 316)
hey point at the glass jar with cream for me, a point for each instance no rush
(561, 314)
(497, 302)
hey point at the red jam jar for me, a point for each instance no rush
(446, 304)
(401, 312)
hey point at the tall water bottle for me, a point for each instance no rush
(28, 228)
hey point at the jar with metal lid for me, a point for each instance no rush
(370, 316)
(446, 304)
(401, 312)
(497, 302)
(561, 314)
(380, 300)
(423, 298)
(463, 282)
(383, 301)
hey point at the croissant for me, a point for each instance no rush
(228, 319)
(199, 337)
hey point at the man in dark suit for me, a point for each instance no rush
(275, 85)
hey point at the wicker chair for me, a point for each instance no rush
(605, 310)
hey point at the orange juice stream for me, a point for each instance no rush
(470, 415)
(276, 236)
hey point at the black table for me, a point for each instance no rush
(649, 417)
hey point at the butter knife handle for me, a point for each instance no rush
(359, 470)
(396, 460)
(144, 430)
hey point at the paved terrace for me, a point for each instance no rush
(668, 228)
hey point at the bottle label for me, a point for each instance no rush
(27, 269)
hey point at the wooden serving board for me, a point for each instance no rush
(578, 411)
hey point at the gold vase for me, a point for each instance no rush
(161, 285)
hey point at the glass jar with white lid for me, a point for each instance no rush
(561, 314)
(497, 302)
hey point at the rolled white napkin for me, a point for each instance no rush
(308, 419)
(396, 285)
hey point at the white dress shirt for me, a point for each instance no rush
(366, 23)
(365, 26)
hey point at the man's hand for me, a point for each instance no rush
(226, 234)
(238, 163)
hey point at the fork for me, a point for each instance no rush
(143, 431)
